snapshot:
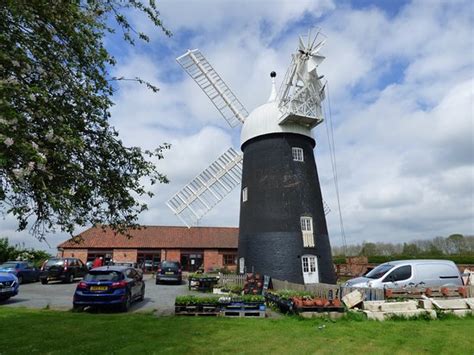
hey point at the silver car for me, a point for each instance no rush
(404, 273)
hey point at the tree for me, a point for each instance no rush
(61, 163)
(410, 249)
(368, 249)
(456, 244)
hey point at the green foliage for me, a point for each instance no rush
(61, 163)
(9, 252)
(250, 298)
(288, 294)
(368, 249)
(193, 300)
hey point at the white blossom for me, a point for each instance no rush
(34, 145)
(18, 173)
(32, 97)
(8, 141)
(50, 134)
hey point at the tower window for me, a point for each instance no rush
(244, 194)
(307, 231)
(297, 154)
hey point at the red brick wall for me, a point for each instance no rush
(171, 254)
(75, 253)
(122, 255)
(212, 260)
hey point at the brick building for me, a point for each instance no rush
(206, 247)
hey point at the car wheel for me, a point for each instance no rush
(20, 279)
(126, 305)
(157, 282)
(70, 278)
(44, 281)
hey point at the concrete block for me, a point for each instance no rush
(380, 316)
(353, 299)
(459, 303)
(373, 306)
(425, 304)
(470, 302)
(462, 312)
(398, 306)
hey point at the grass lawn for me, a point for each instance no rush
(26, 331)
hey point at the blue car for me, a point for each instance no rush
(110, 286)
(9, 285)
(23, 270)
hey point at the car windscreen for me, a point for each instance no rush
(52, 262)
(9, 266)
(379, 271)
(169, 264)
(107, 275)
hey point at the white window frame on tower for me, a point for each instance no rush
(245, 194)
(297, 154)
(307, 231)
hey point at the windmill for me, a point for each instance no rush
(282, 227)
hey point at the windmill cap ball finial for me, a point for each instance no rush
(273, 74)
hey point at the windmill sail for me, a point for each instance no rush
(208, 188)
(302, 90)
(194, 63)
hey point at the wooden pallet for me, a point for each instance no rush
(201, 314)
(243, 313)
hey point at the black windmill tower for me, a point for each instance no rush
(282, 228)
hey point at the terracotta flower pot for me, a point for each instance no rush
(298, 302)
(336, 302)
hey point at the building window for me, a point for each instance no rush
(307, 231)
(244, 194)
(230, 259)
(297, 154)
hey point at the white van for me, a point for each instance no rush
(403, 273)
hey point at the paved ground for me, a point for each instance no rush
(56, 295)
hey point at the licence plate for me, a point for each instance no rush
(169, 273)
(6, 289)
(99, 288)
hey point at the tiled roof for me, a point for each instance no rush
(156, 237)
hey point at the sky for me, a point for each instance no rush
(401, 97)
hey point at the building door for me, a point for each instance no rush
(309, 263)
(191, 261)
(149, 261)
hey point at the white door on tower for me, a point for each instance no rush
(309, 263)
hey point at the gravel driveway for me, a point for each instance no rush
(56, 295)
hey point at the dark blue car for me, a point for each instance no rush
(110, 286)
(9, 285)
(23, 270)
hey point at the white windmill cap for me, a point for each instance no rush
(264, 120)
